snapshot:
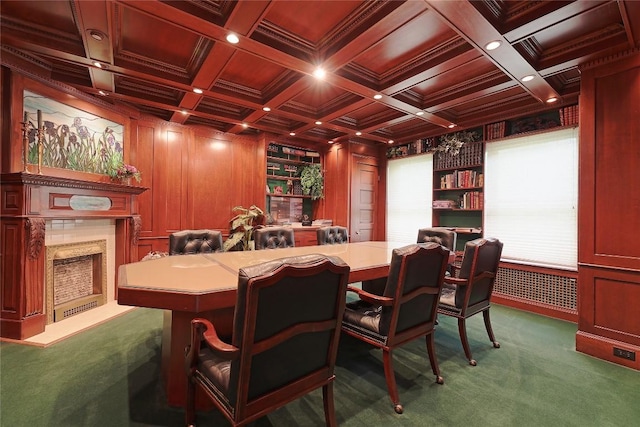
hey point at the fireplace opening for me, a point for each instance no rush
(76, 278)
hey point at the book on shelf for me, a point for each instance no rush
(461, 179)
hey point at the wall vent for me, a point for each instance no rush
(542, 288)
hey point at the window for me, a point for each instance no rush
(531, 197)
(409, 195)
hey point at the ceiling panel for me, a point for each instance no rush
(424, 56)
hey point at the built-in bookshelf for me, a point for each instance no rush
(458, 191)
(284, 197)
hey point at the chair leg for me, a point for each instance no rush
(487, 325)
(433, 359)
(190, 407)
(329, 407)
(462, 329)
(391, 381)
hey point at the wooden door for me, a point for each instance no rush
(364, 191)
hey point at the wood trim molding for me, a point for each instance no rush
(35, 228)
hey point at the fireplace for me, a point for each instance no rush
(76, 278)
(33, 207)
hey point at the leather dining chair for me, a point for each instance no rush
(274, 238)
(332, 235)
(405, 311)
(441, 235)
(187, 242)
(468, 291)
(284, 344)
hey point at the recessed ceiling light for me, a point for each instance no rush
(184, 112)
(358, 133)
(493, 45)
(103, 93)
(292, 133)
(318, 122)
(552, 99)
(266, 109)
(319, 73)
(451, 126)
(244, 125)
(331, 141)
(391, 141)
(377, 96)
(196, 90)
(232, 38)
(97, 64)
(96, 35)
(419, 113)
(527, 78)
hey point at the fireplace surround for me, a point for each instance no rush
(27, 202)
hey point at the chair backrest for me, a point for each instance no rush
(274, 238)
(441, 235)
(287, 325)
(332, 235)
(187, 242)
(416, 275)
(480, 256)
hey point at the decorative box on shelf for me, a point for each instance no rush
(444, 204)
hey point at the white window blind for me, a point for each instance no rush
(531, 198)
(409, 195)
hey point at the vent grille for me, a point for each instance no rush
(80, 309)
(548, 289)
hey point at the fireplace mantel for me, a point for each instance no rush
(27, 201)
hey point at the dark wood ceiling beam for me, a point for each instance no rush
(372, 36)
(244, 18)
(443, 67)
(493, 90)
(465, 19)
(205, 78)
(567, 12)
(205, 28)
(626, 19)
(94, 17)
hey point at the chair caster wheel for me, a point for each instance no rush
(496, 344)
(472, 362)
(398, 408)
(439, 380)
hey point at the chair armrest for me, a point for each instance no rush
(454, 269)
(203, 330)
(455, 281)
(371, 298)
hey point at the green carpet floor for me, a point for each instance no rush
(110, 376)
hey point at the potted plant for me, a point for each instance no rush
(312, 181)
(241, 228)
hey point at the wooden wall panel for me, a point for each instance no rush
(337, 184)
(617, 161)
(142, 157)
(608, 211)
(211, 182)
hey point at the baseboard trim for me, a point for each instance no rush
(602, 348)
(536, 307)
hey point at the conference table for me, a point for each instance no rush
(205, 285)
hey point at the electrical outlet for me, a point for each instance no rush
(625, 354)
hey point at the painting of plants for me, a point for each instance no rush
(73, 139)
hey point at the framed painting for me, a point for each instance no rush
(72, 138)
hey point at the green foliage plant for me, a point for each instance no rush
(242, 226)
(312, 181)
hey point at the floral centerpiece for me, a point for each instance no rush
(125, 172)
(119, 170)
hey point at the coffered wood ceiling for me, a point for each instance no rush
(420, 55)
